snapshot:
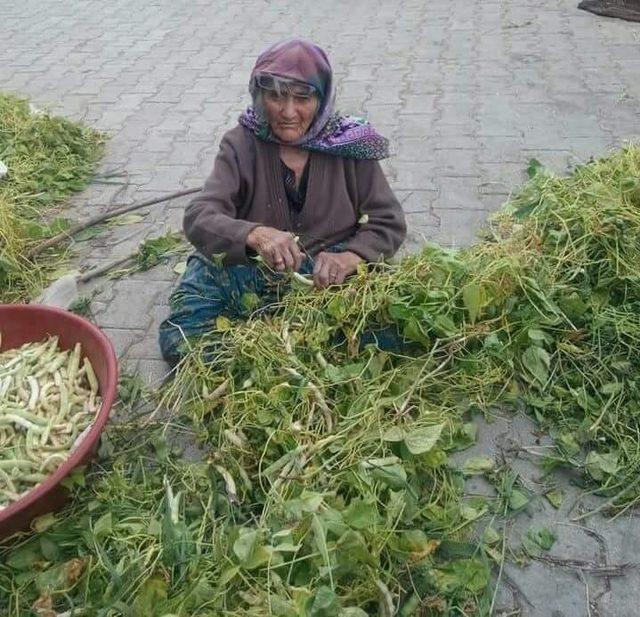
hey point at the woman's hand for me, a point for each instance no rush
(277, 248)
(333, 268)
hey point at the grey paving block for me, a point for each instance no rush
(156, 142)
(131, 304)
(459, 227)
(414, 148)
(169, 178)
(122, 338)
(153, 371)
(467, 91)
(458, 192)
(146, 348)
(383, 114)
(504, 175)
(456, 162)
(412, 125)
(416, 176)
(500, 149)
(419, 104)
(416, 202)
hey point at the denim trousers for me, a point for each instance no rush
(210, 290)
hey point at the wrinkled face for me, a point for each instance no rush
(290, 111)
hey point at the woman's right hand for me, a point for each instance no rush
(277, 248)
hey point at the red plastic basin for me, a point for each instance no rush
(23, 323)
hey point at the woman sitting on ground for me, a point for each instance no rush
(295, 184)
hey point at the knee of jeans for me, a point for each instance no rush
(170, 339)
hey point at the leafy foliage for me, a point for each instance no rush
(48, 159)
(154, 251)
(326, 489)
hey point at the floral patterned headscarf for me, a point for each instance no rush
(345, 136)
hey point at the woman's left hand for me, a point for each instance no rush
(333, 268)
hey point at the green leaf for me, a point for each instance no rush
(51, 579)
(344, 372)
(25, 557)
(555, 498)
(494, 553)
(38, 231)
(361, 515)
(421, 440)
(352, 551)
(537, 361)
(180, 267)
(157, 250)
(472, 298)
(150, 595)
(43, 523)
(154, 528)
(464, 437)
(395, 433)
(49, 548)
(536, 335)
(77, 477)
(600, 465)
(543, 537)
(470, 513)
(333, 522)
(394, 476)
(471, 575)
(324, 603)
(490, 535)
(629, 184)
(319, 535)
(245, 545)
(477, 465)
(103, 526)
(573, 305)
(534, 168)
(568, 444)
(414, 332)
(518, 499)
(307, 502)
(227, 575)
(444, 326)
(337, 308)
(250, 301)
(261, 556)
(526, 207)
(223, 323)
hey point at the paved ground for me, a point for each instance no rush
(468, 91)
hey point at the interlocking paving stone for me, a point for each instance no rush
(467, 90)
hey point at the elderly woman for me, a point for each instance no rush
(295, 184)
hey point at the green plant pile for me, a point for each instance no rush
(48, 159)
(325, 486)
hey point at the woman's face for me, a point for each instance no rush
(288, 114)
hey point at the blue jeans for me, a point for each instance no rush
(208, 290)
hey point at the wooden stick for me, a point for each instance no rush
(91, 274)
(73, 230)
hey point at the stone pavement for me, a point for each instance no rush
(467, 90)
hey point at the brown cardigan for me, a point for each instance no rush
(245, 189)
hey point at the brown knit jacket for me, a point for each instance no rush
(245, 189)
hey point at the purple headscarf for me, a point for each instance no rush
(345, 136)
